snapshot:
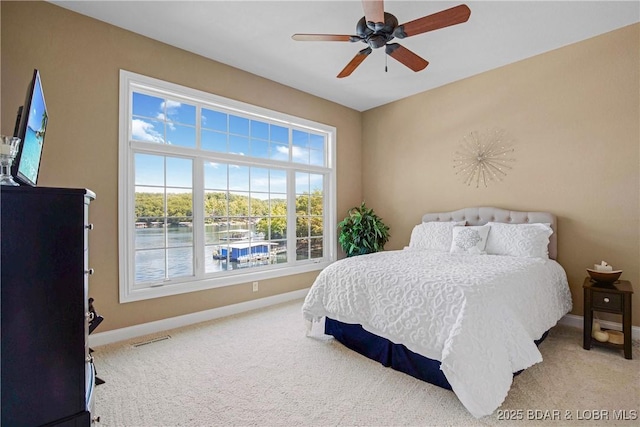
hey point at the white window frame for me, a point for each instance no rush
(130, 82)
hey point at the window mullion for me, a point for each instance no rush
(327, 239)
(290, 145)
(197, 200)
(291, 216)
(198, 217)
(166, 222)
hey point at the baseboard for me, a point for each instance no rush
(578, 321)
(122, 334)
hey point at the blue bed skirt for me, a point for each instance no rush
(395, 356)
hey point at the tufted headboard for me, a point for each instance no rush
(482, 215)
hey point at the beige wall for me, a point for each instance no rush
(573, 112)
(575, 116)
(79, 59)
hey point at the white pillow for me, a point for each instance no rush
(433, 235)
(471, 239)
(519, 240)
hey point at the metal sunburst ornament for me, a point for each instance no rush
(484, 157)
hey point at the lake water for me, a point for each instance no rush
(150, 253)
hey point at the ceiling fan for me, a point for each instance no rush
(377, 28)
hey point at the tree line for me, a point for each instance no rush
(222, 207)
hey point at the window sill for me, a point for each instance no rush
(194, 285)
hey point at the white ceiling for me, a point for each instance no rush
(255, 36)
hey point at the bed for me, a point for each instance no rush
(463, 306)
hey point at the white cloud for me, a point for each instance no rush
(170, 107)
(162, 117)
(145, 131)
(281, 153)
(301, 155)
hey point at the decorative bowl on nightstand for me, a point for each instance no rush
(604, 276)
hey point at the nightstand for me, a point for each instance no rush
(610, 298)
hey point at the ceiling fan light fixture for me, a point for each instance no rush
(373, 32)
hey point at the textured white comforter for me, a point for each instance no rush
(477, 314)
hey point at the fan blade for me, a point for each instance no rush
(324, 38)
(406, 57)
(353, 64)
(446, 18)
(373, 10)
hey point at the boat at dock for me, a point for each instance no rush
(245, 248)
(242, 252)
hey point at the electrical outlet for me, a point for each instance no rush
(255, 286)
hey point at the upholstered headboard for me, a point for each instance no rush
(482, 215)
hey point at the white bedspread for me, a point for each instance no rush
(477, 314)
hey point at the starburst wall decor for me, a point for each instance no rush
(484, 157)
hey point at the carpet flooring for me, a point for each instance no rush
(259, 369)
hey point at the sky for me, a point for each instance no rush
(164, 121)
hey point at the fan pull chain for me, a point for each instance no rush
(385, 64)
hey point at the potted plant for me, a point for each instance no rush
(362, 231)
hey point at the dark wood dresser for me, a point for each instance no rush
(47, 372)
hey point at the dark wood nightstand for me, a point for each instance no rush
(614, 298)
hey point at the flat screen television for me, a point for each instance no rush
(31, 126)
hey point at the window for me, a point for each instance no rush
(214, 192)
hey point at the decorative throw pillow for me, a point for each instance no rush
(519, 240)
(433, 235)
(471, 239)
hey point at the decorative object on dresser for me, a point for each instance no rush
(9, 146)
(608, 297)
(47, 372)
